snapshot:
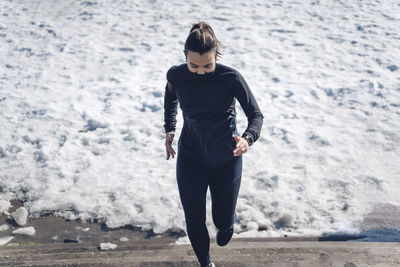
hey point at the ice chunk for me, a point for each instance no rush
(4, 206)
(107, 246)
(5, 240)
(4, 227)
(30, 230)
(20, 216)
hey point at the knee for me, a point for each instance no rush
(195, 227)
(223, 224)
(195, 221)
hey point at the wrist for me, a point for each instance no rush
(249, 139)
(170, 134)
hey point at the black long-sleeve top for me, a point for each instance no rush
(208, 109)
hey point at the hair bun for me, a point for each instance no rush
(201, 25)
(201, 39)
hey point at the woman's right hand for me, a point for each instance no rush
(169, 137)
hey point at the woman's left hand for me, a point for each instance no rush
(241, 146)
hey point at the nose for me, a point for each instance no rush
(201, 72)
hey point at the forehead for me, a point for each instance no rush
(196, 58)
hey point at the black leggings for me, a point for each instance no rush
(193, 181)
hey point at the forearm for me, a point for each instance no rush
(254, 126)
(250, 107)
(170, 110)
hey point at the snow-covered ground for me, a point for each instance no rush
(81, 109)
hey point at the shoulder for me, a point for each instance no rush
(175, 73)
(228, 73)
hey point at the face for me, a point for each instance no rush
(201, 64)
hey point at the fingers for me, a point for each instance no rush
(170, 152)
(168, 141)
(241, 147)
(173, 153)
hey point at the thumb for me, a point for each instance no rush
(237, 138)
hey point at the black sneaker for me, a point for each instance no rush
(223, 237)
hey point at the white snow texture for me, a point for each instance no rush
(81, 109)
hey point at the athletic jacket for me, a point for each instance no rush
(209, 114)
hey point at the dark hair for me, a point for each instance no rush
(201, 39)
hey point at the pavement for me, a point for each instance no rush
(239, 252)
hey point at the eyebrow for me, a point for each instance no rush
(197, 65)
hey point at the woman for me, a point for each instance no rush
(209, 147)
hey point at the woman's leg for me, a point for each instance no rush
(224, 187)
(192, 181)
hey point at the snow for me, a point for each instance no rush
(4, 206)
(81, 109)
(30, 230)
(123, 239)
(20, 216)
(107, 246)
(4, 240)
(4, 227)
